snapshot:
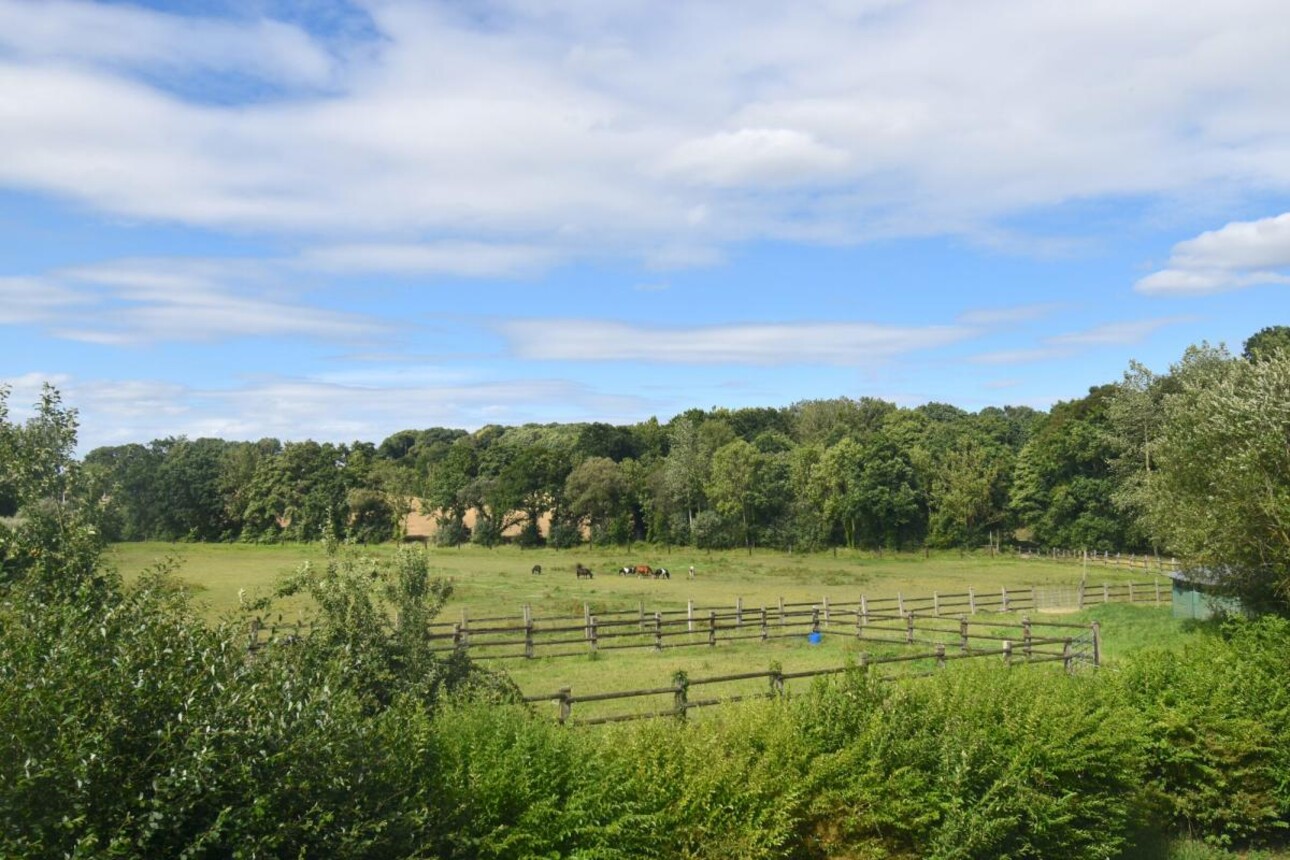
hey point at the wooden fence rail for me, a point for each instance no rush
(527, 636)
(1069, 650)
(697, 626)
(1128, 561)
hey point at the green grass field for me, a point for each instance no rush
(498, 583)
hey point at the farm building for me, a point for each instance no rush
(1196, 595)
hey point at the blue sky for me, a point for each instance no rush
(340, 219)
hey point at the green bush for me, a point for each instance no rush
(1219, 731)
(975, 763)
(729, 785)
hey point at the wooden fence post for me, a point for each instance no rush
(940, 655)
(586, 620)
(826, 611)
(815, 619)
(864, 610)
(776, 681)
(1106, 593)
(689, 615)
(679, 703)
(900, 603)
(253, 633)
(658, 631)
(781, 611)
(712, 628)
(1007, 653)
(1025, 636)
(1003, 599)
(528, 639)
(739, 612)
(765, 628)
(592, 638)
(1131, 598)
(909, 628)
(566, 706)
(936, 604)
(971, 600)
(458, 636)
(963, 634)
(1096, 630)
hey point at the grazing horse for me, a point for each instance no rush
(662, 573)
(644, 570)
(626, 571)
(582, 572)
(537, 570)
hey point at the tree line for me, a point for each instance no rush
(1133, 466)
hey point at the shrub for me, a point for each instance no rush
(974, 763)
(1219, 730)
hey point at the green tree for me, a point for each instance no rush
(1221, 494)
(1266, 342)
(597, 494)
(446, 491)
(964, 492)
(52, 542)
(686, 469)
(1064, 487)
(736, 485)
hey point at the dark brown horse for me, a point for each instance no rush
(582, 572)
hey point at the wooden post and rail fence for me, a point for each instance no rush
(527, 637)
(1071, 644)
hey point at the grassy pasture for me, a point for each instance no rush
(498, 582)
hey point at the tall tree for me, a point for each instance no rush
(1221, 495)
(1064, 486)
(1264, 343)
(596, 491)
(735, 485)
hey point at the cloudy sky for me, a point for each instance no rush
(336, 219)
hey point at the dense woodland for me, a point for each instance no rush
(1115, 470)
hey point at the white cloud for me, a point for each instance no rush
(1007, 316)
(120, 411)
(1021, 356)
(529, 123)
(751, 344)
(33, 300)
(468, 259)
(1119, 333)
(81, 32)
(129, 302)
(1070, 344)
(755, 157)
(1239, 254)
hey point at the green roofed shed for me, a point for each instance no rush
(1197, 596)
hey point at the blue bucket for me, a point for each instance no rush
(815, 638)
